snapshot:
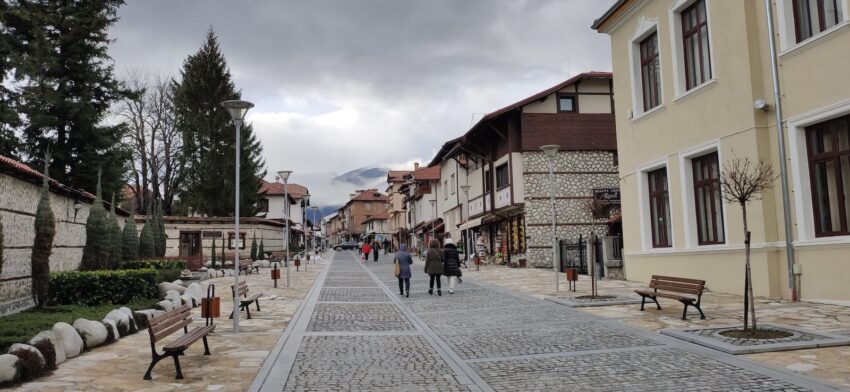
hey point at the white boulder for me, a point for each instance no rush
(71, 340)
(164, 287)
(93, 332)
(8, 368)
(26, 347)
(112, 333)
(54, 340)
(133, 327)
(179, 283)
(165, 305)
(122, 322)
(196, 292)
(143, 317)
(187, 299)
(174, 297)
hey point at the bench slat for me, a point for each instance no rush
(251, 298)
(675, 279)
(168, 315)
(186, 340)
(677, 289)
(170, 321)
(665, 295)
(157, 336)
(676, 284)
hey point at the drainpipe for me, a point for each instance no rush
(780, 137)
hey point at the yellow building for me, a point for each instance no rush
(694, 90)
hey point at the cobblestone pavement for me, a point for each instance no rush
(483, 338)
(827, 363)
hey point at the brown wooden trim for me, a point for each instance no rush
(54, 246)
(571, 172)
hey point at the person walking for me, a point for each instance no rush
(386, 246)
(375, 250)
(451, 263)
(366, 250)
(434, 266)
(404, 261)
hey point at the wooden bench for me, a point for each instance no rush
(165, 325)
(247, 266)
(242, 291)
(686, 291)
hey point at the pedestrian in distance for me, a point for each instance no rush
(451, 263)
(366, 250)
(386, 246)
(375, 249)
(434, 266)
(403, 261)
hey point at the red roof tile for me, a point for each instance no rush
(276, 188)
(427, 173)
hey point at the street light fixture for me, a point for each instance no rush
(434, 220)
(306, 199)
(237, 109)
(284, 176)
(551, 150)
(313, 223)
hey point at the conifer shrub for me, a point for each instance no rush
(97, 250)
(213, 261)
(146, 241)
(254, 248)
(45, 231)
(129, 240)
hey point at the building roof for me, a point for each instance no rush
(370, 195)
(616, 10)
(445, 149)
(26, 173)
(397, 175)
(276, 189)
(427, 173)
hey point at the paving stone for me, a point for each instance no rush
(360, 294)
(357, 317)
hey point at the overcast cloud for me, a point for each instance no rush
(344, 84)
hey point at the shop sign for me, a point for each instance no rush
(607, 195)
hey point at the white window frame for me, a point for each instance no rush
(679, 82)
(801, 183)
(644, 29)
(787, 32)
(643, 199)
(686, 173)
(453, 183)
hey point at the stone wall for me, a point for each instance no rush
(577, 173)
(18, 201)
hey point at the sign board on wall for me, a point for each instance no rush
(607, 195)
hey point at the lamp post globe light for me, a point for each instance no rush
(284, 176)
(551, 150)
(237, 109)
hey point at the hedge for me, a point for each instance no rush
(156, 264)
(102, 286)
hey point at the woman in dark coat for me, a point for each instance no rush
(451, 264)
(434, 265)
(404, 261)
(375, 250)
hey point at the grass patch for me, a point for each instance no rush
(20, 327)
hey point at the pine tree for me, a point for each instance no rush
(115, 234)
(159, 241)
(155, 229)
(97, 250)
(261, 253)
(146, 242)
(9, 119)
(65, 86)
(213, 254)
(254, 248)
(130, 240)
(208, 137)
(45, 230)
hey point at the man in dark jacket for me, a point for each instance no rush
(451, 263)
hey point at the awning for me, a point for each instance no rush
(470, 224)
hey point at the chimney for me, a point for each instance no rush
(415, 165)
(352, 195)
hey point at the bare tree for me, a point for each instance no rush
(743, 181)
(154, 140)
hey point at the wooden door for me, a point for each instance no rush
(190, 249)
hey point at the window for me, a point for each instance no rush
(502, 176)
(828, 146)
(263, 205)
(813, 16)
(659, 208)
(368, 206)
(709, 208)
(453, 184)
(697, 61)
(445, 190)
(487, 181)
(231, 236)
(567, 103)
(650, 72)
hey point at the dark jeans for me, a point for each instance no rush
(402, 284)
(375, 253)
(433, 278)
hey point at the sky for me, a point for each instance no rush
(345, 84)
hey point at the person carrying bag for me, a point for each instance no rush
(434, 266)
(403, 260)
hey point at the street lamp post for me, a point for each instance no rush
(468, 247)
(315, 243)
(551, 150)
(434, 220)
(284, 176)
(306, 199)
(237, 109)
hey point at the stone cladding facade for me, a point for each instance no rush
(576, 174)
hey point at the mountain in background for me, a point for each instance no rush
(364, 177)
